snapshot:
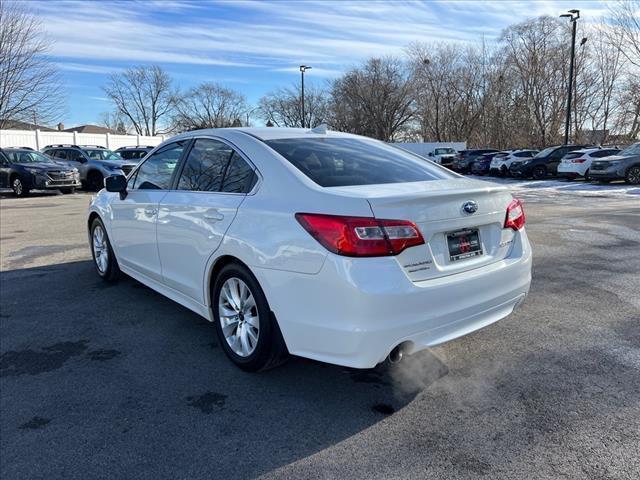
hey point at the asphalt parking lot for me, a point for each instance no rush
(115, 381)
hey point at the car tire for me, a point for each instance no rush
(103, 258)
(252, 345)
(633, 175)
(67, 191)
(587, 177)
(18, 187)
(539, 172)
(503, 171)
(95, 181)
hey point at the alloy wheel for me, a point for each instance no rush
(17, 187)
(633, 176)
(100, 250)
(239, 317)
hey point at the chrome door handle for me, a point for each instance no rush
(150, 212)
(215, 216)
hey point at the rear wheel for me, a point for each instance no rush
(18, 187)
(539, 172)
(587, 177)
(95, 181)
(633, 175)
(247, 331)
(103, 257)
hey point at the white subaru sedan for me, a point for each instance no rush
(315, 243)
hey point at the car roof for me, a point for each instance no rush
(269, 133)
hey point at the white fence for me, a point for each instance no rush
(38, 140)
(424, 149)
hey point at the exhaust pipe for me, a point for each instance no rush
(396, 355)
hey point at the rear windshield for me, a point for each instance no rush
(571, 155)
(444, 151)
(335, 162)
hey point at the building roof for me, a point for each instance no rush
(18, 125)
(90, 129)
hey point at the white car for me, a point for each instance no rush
(578, 163)
(443, 155)
(321, 244)
(502, 161)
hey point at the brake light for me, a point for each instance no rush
(361, 236)
(515, 215)
(578, 160)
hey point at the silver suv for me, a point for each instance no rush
(623, 166)
(94, 162)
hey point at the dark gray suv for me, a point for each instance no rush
(623, 166)
(94, 162)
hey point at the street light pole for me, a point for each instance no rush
(574, 15)
(303, 68)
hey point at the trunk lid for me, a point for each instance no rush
(436, 207)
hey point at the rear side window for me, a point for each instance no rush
(334, 162)
(205, 166)
(240, 177)
(604, 153)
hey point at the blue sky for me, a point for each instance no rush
(256, 46)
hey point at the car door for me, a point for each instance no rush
(194, 218)
(554, 159)
(134, 217)
(5, 171)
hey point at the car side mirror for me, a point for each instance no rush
(116, 183)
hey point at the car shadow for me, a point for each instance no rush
(117, 377)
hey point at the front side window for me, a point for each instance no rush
(157, 171)
(333, 162)
(205, 166)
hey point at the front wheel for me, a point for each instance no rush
(633, 175)
(247, 331)
(539, 172)
(103, 257)
(19, 188)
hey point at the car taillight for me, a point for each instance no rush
(578, 160)
(515, 215)
(361, 236)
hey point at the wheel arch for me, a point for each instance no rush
(215, 269)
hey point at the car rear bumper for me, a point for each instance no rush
(355, 311)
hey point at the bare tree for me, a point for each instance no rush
(374, 99)
(30, 88)
(283, 107)
(209, 105)
(146, 96)
(115, 121)
(625, 28)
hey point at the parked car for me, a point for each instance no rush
(92, 161)
(321, 244)
(623, 166)
(543, 164)
(464, 159)
(578, 163)
(23, 169)
(134, 153)
(480, 165)
(443, 155)
(501, 162)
